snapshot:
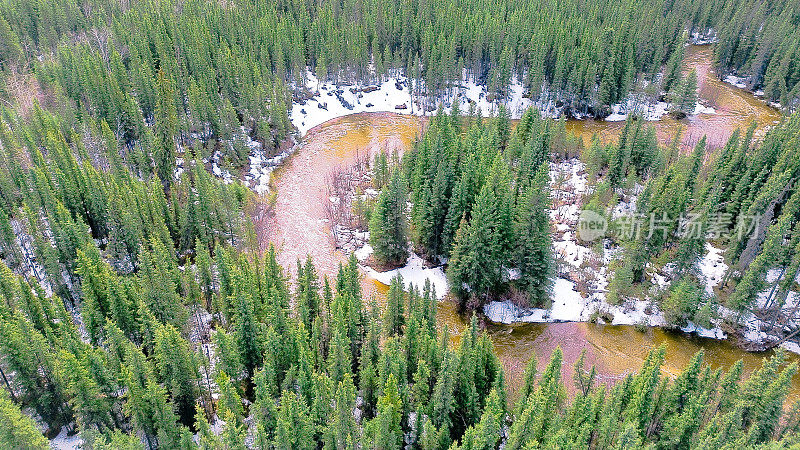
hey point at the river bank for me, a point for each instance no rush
(299, 228)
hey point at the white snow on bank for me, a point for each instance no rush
(708, 37)
(626, 207)
(414, 272)
(217, 170)
(259, 169)
(713, 268)
(713, 333)
(570, 306)
(635, 106)
(325, 105)
(736, 81)
(363, 252)
(260, 172)
(64, 442)
(791, 347)
(649, 111)
(702, 109)
(330, 100)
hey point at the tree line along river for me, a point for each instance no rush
(298, 228)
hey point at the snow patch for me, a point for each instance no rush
(707, 37)
(713, 333)
(634, 105)
(713, 268)
(702, 109)
(363, 252)
(570, 306)
(413, 273)
(736, 81)
(65, 442)
(394, 94)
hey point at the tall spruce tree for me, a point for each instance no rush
(388, 224)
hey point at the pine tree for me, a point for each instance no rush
(166, 129)
(90, 405)
(247, 334)
(688, 97)
(10, 49)
(177, 368)
(16, 429)
(394, 315)
(158, 279)
(476, 262)
(342, 432)
(294, 429)
(388, 227)
(308, 298)
(384, 431)
(533, 255)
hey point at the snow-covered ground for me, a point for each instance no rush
(650, 111)
(260, 171)
(713, 268)
(568, 185)
(330, 100)
(739, 82)
(568, 305)
(713, 333)
(413, 273)
(394, 94)
(704, 38)
(64, 442)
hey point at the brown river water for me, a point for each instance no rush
(735, 108)
(299, 229)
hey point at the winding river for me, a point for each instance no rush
(299, 228)
(734, 108)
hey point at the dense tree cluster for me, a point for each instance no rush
(354, 378)
(759, 41)
(226, 65)
(755, 185)
(480, 198)
(741, 197)
(151, 322)
(136, 307)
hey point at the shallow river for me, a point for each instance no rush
(299, 229)
(735, 108)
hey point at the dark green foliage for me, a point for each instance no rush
(299, 400)
(16, 429)
(481, 199)
(388, 224)
(122, 257)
